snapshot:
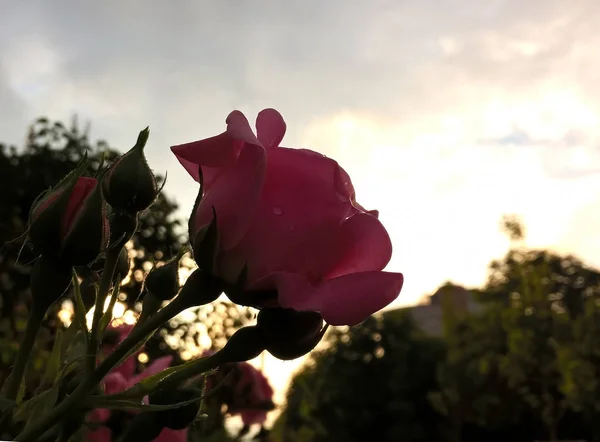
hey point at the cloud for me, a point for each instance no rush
(446, 116)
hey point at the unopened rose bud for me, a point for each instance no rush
(50, 279)
(176, 418)
(199, 289)
(69, 223)
(129, 184)
(123, 264)
(245, 344)
(163, 281)
(290, 334)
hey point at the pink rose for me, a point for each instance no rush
(246, 391)
(112, 339)
(291, 216)
(254, 394)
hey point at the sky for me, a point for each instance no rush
(446, 114)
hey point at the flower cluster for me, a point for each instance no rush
(275, 228)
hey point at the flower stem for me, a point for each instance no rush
(90, 381)
(139, 332)
(13, 383)
(110, 265)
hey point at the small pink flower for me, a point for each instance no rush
(291, 216)
(122, 378)
(117, 335)
(246, 392)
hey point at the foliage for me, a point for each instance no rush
(525, 367)
(356, 388)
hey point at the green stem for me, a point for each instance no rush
(89, 382)
(139, 332)
(53, 418)
(13, 383)
(110, 265)
(192, 369)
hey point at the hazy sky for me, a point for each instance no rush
(447, 114)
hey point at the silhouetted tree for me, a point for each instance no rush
(370, 383)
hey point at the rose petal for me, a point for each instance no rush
(347, 300)
(266, 391)
(81, 190)
(115, 382)
(102, 434)
(216, 152)
(127, 368)
(361, 244)
(250, 417)
(298, 209)
(270, 128)
(98, 415)
(343, 184)
(234, 196)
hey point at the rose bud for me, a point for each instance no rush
(176, 418)
(200, 288)
(288, 220)
(290, 334)
(245, 344)
(69, 223)
(129, 184)
(163, 282)
(123, 226)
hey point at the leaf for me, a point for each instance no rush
(5, 404)
(114, 403)
(38, 405)
(21, 392)
(76, 348)
(108, 314)
(152, 383)
(69, 337)
(53, 365)
(149, 384)
(79, 307)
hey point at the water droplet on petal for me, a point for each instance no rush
(277, 211)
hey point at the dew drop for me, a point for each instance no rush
(277, 211)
